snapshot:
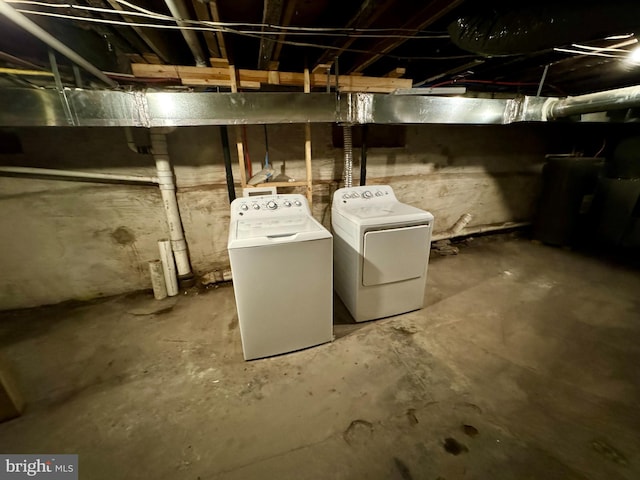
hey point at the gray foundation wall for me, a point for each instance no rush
(63, 240)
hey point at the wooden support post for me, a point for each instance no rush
(238, 129)
(307, 143)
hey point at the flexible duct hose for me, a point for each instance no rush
(348, 156)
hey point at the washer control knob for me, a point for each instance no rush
(346, 195)
(287, 203)
(367, 194)
(379, 193)
(244, 207)
(355, 195)
(256, 206)
(298, 203)
(271, 205)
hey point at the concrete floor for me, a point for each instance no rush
(523, 365)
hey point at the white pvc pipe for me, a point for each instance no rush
(170, 201)
(37, 31)
(462, 222)
(72, 174)
(169, 267)
(156, 272)
(476, 230)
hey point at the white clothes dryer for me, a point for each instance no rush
(381, 252)
(282, 277)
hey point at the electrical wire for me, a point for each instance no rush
(269, 25)
(290, 30)
(259, 36)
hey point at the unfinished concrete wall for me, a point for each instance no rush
(63, 240)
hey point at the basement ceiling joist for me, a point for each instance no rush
(484, 46)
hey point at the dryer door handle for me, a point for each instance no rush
(283, 237)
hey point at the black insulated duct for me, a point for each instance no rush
(499, 28)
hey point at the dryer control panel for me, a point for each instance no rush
(365, 195)
(269, 206)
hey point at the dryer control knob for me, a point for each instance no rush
(367, 194)
(298, 203)
(272, 205)
(287, 203)
(379, 193)
(244, 207)
(256, 206)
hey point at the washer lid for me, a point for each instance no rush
(270, 231)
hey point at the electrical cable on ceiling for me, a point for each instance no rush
(323, 31)
(232, 31)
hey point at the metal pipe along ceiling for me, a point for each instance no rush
(627, 97)
(179, 10)
(46, 37)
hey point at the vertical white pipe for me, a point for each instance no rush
(169, 267)
(168, 191)
(156, 273)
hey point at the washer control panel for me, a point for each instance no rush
(267, 206)
(365, 195)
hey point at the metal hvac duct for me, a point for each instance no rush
(23, 107)
(507, 28)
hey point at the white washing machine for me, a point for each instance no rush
(281, 261)
(381, 252)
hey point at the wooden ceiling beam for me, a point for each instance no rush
(289, 10)
(434, 10)
(396, 72)
(204, 14)
(154, 39)
(271, 15)
(215, 15)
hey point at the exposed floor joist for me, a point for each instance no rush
(369, 12)
(428, 15)
(213, 7)
(271, 15)
(152, 38)
(204, 14)
(289, 10)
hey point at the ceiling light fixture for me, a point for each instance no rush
(634, 56)
(619, 37)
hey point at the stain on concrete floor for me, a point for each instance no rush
(533, 372)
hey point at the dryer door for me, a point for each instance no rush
(396, 254)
